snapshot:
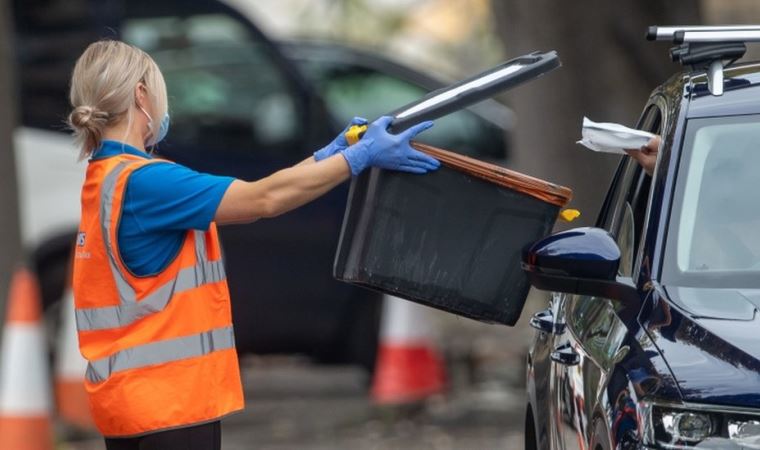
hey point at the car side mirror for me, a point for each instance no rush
(581, 261)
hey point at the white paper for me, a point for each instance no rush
(612, 137)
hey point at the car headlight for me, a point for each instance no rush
(685, 426)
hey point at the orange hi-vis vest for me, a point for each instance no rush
(160, 348)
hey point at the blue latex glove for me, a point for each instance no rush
(339, 143)
(379, 148)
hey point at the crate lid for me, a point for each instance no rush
(535, 187)
(472, 90)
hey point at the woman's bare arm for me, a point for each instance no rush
(309, 160)
(282, 191)
(293, 187)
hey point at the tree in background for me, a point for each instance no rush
(10, 237)
(608, 71)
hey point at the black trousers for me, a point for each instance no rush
(201, 437)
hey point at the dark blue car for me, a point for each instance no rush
(652, 335)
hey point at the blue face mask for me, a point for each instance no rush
(163, 128)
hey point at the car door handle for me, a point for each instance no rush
(544, 321)
(565, 355)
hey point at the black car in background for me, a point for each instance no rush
(241, 106)
(652, 336)
(352, 81)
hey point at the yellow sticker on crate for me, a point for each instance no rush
(568, 215)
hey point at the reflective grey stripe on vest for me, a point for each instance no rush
(89, 319)
(161, 352)
(130, 310)
(200, 246)
(126, 293)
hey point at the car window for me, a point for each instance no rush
(225, 91)
(631, 231)
(611, 217)
(620, 218)
(713, 239)
(627, 210)
(626, 241)
(593, 319)
(350, 90)
(633, 212)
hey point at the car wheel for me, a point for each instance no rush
(531, 441)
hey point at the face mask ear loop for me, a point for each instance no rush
(150, 122)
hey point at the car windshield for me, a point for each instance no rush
(714, 232)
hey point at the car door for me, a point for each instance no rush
(586, 351)
(573, 371)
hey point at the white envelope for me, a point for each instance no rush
(612, 137)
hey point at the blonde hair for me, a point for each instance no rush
(103, 89)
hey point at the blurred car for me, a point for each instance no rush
(351, 80)
(239, 107)
(651, 336)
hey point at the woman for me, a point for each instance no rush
(152, 305)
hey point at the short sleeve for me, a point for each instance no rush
(171, 197)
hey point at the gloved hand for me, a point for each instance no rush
(339, 143)
(379, 148)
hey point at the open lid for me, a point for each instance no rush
(474, 89)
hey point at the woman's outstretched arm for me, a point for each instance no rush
(293, 187)
(282, 191)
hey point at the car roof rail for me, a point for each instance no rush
(709, 48)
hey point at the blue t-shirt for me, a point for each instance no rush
(161, 202)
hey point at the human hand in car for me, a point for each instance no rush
(339, 143)
(647, 154)
(379, 148)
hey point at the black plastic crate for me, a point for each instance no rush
(449, 239)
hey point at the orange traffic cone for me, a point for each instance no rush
(70, 367)
(408, 368)
(24, 377)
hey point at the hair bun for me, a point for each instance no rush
(88, 124)
(86, 117)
